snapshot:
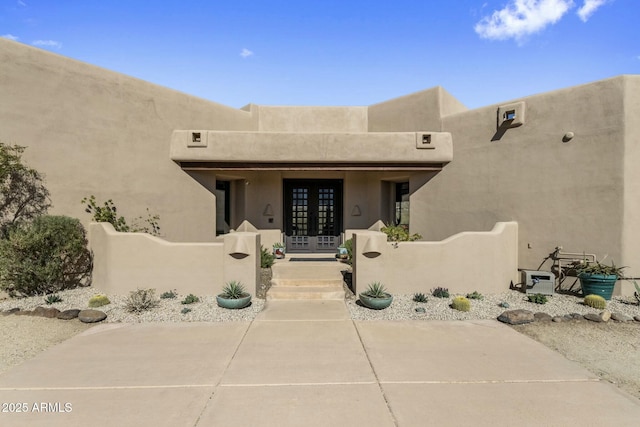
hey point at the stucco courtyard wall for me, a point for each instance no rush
(581, 193)
(124, 262)
(486, 262)
(94, 131)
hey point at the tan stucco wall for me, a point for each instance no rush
(93, 131)
(311, 119)
(420, 110)
(570, 194)
(631, 214)
(486, 262)
(124, 262)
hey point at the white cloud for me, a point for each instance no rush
(10, 37)
(21, 3)
(47, 43)
(520, 18)
(246, 53)
(588, 8)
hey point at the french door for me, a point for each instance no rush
(312, 214)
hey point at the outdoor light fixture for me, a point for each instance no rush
(268, 210)
(356, 211)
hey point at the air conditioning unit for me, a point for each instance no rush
(538, 282)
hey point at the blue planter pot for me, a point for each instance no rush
(233, 304)
(597, 284)
(376, 303)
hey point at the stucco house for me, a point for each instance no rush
(563, 165)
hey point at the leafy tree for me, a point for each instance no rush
(45, 256)
(107, 212)
(23, 195)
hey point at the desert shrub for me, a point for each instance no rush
(475, 295)
(23, 195)
(169, 294)
(141, 300)
(52, 299)
(440, 292)
(595, 301)
(399, 233)
(233, 290)
(348, 245)
(537, 298)
(107, 212)
(45, 256)
(185, 310)
(266, 257)
(190, 299)
(98, 301)
(420, 297)
(461, 304)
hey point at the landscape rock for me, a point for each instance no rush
(542, 317)
(516, 317)
(48, 312)
(605, 315)
(621, 317)
(568, 317)
(593, 317)
(10, 311)
(577, 316)
(559, 319)
(636, 318)
(91, 316)
(69, 314)
(420, 310)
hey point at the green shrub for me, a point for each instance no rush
(107, 212)
(233, 290)
(141, 300)
(23, 195)
(537, 298)
(52, 299)
(185, 310)
(169, 294)
(45, 256)
(595, 301)
(190, 299)
(475, 295)
(399, 233)
(98, 301)
(420, 297)
(266, 257)
(376, 290)
(348, 245)
(461, 304)
(440, 292)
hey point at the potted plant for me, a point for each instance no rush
(376, 297)
(597, 278)
(233, 296)
(278, 250)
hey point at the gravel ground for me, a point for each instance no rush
(610, 350)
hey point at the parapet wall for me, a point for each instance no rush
(486, 262)
(124, 262)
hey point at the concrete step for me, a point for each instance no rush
(317, 283)
(297, 292)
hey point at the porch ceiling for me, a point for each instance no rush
(407, 151)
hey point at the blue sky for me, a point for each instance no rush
(277, 52)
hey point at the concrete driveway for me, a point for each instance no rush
(307, 364)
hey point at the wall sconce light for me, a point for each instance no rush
(356, 211)
(268, 210)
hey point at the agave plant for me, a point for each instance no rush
(233, 290)
(376, 290)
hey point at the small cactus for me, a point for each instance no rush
(595, 301)
(98, 301)
(420, 297)
(440, 292)
(461, 304)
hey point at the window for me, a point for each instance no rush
(401, 216)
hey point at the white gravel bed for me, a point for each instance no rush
(169, 310)
(404, 308)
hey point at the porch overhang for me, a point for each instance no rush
(380, 151)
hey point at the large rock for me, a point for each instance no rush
(48, 312)
(636, 318)
(91, 316)
(10, 311)
(593, 317)
(517, 317)
(69, 314)
(605, 315)
(542, 317)
(621, 317)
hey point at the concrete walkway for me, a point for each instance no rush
(307, 364)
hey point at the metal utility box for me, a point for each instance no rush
(538, 282)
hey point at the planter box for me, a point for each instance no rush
(233, 304)
(376, 303)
